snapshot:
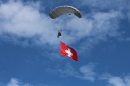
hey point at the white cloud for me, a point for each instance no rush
(120, 81)
(105, 76)
(97, 26)
(116, 80)
(20, 20)
(106, 23)
(88, 72)
(67, 71)
(16, 82)
(85, 72)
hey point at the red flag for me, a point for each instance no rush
(68, 51)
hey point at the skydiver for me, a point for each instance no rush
(59, 33)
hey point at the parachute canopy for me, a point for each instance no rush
(56, 12)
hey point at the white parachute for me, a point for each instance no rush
(58, 11)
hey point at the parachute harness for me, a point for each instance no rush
(59, 33)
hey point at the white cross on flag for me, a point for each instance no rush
(68, 51)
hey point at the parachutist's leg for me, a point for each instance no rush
(59, 34)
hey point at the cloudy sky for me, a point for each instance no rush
(29, 48)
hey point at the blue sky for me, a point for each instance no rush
(29, 48)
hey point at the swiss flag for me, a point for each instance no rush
(68, 51)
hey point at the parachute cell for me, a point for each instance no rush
(56, 12)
